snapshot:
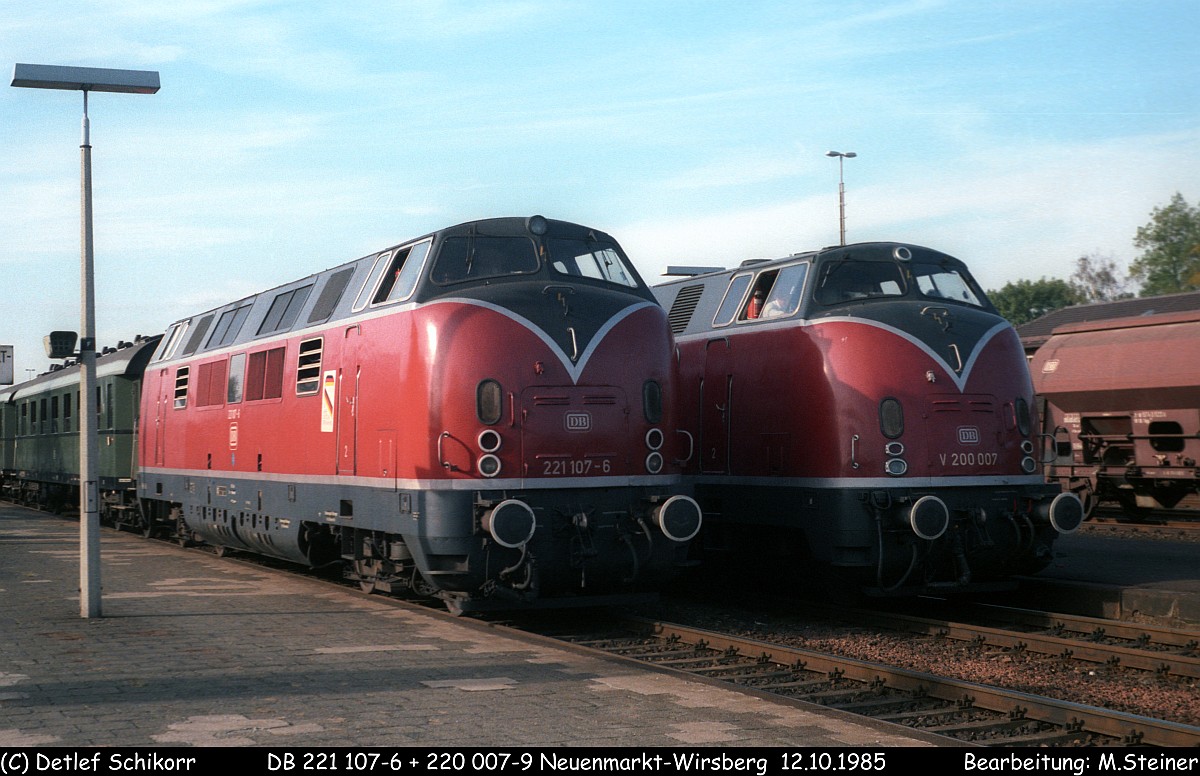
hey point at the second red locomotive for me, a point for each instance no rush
(864, 409)
(483, 414)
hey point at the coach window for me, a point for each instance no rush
(53, 414)
(66, 403)
(733, 299)
(237, 378)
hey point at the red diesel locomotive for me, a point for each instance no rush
(863, 410)
(482, 414)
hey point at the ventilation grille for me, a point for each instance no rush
(683, 307)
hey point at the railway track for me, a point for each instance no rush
(1162, 650)
(958, 710)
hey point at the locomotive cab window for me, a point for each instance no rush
(590, 259)
(475, 257)
(784, 297)
(848, 280)
(763, 284)
(733, 299)
(403, 271)
(166, 348)
(945, 282)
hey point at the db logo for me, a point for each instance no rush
(968, 435)
(578, 421)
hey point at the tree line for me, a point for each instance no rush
(1169, 263)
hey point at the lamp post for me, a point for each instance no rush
(87, 79)
(842, 157)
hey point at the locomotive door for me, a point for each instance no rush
(161, 411)
(347, 412)
(716, 393)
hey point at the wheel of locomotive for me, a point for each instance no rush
(368, 575)
(421, 586)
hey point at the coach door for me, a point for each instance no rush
(347, 411)
(715, 394)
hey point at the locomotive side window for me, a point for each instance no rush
(66, 401)
(228, 326)
(264, 375)
(400, 279)
(210, 384)
(330, 295)
(237, 378)
(938, 282)
(284, 310)
(181, 387)
(308, 366)
(198, 333)
(476, 258)
(589, 259)
(733, 299)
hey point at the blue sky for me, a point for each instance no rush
(292, 136)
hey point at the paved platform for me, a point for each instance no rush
(195, 650)
(1097, 574)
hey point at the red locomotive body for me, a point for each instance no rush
(483, 414)
(1123, 405)
(864, 408)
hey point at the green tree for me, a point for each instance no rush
(1170, 243)
(1099, 279)
(1024, 300)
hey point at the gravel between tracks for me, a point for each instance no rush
(1127, 690)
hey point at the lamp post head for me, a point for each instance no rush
(845, 155)
(87, 79)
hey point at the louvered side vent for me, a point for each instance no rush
(683, 307)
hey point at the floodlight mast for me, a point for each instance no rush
(87, 79)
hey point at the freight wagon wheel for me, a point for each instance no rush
(1129, 506)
